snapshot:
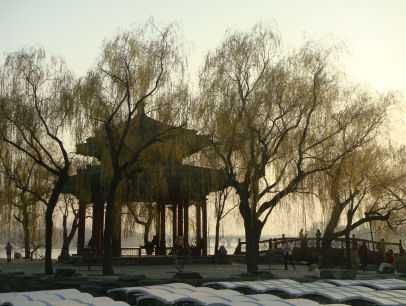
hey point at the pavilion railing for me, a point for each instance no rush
(142, 251)
(126, 252)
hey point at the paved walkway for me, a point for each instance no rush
(211, 271)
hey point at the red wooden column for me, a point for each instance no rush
(180, 219)
(186, 223)
(81, 227)
(198, 223)
(157, 223)
(116, 239)
(174, 224)
(204, 213)
(93, 242)
(102, 221)
(162, 244)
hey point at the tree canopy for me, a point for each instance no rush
(277, 119)
(37, 107)
(139, 72)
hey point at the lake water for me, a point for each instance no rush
(56, 252)
(40, 252)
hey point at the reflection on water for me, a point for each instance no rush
(230, 249)
(40, 253)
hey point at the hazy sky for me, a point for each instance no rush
(374, 31)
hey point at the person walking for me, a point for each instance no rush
(363, 256)
(287, 254)
(8, 248)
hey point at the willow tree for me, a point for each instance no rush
(68, 210)
(221, 212)
(357, 193)
(275, 120)
(143, 214)
(5, 207)
(146, 187)
(23, 175)
(36, 109)
(138, 72)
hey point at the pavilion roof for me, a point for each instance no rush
(172, 185)
(180, 141)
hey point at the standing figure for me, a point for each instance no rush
(8, 248)
(363, 256)
(287, 254)
(312, 261)
(318, 238)
(381, 251)
(401, 249)
(302, 238)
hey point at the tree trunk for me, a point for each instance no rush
(26, 232)
(252, 226)
(216, 243)
(347, 238)
(328, 237)
(65, 248)
(67, 238)
(48, 220)
(326, 252)
(108, 234)
(48, 239)
(348, 250)
(108, 229)
(253, 230)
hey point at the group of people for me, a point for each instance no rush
(303, 237)
(389, 262)
(287, 249)
(385, 260)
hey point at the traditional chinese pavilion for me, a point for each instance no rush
(159, 175)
